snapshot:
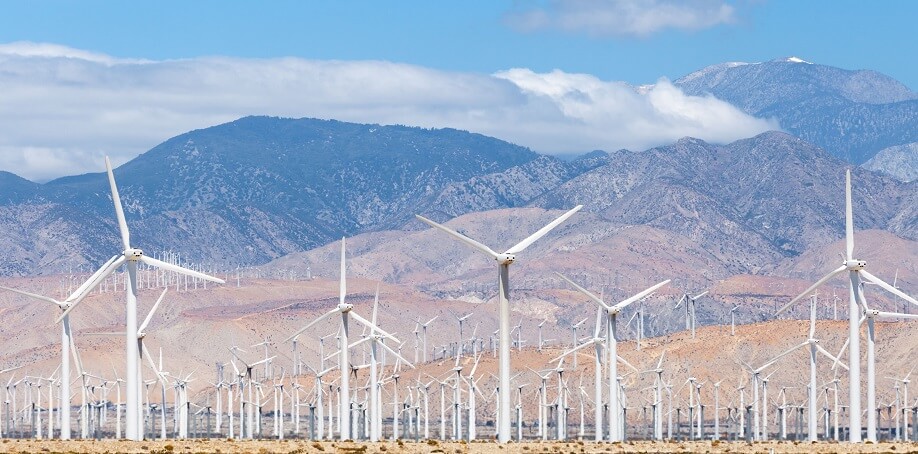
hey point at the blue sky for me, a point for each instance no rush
(88, 78)
(472, 35)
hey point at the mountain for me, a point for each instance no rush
(754, 221)
(260, 188)
(248, 191)
(852, 114)
(899, 162)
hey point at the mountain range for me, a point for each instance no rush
(258, 189)
(853, 114)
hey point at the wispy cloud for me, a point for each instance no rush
(621, 17)
(62, 109)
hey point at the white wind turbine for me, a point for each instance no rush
(856, 270)
(596, 342)
(66, 337)
(344, 366)
(376, 340)
(129, 257)
(424, 335)
(690, 309)
(615, 420)
(814, 348)
(871, 315)
(461, 321)
(503, 294)
(575, 337)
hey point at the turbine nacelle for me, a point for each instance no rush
(871, 313)
(133, 254)
(505, 259)
(855, 265)
(345, 307)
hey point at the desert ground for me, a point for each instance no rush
(305, 446)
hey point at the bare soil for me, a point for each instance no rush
(306, 446)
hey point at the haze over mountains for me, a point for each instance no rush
(259, 188)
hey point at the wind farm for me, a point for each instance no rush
(559, 226)
(262, 357)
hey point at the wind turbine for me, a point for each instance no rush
(597, 342)
(129, 257)
(690, 309)
(461, 321)
(66, 337)
(733, 320)
(856, 270)
(871, 315)
(615, 419)
(376, 341)
(574, 337)
(814, 348)
(503, 294)
(344, 366)
(424, 335)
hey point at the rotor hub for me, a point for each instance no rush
(855, 265)
(505, 259)
(133, 254)
(345, 307)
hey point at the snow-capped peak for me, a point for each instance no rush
(796, 60)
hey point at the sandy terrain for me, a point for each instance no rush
(301, 446)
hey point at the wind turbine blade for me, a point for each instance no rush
(700, 295)
(598, 326)
(586, 292)
(92, 279)
(112, 266)
(361, 341)
(829, 355)
(146, 321)
(310, 324)
(474, 367)
(684, 296)
(776, 358)
(812, 319)
(431, 320)
(342, 282)
(395, 353)
(660, 363)
(811, 288)
(168, 266)
(76, 356)
(882, 314)
(375, 307)
(849, 221)
(459, 236)
(158, 372)
(539, 234)
(119, 211)
(579, 347)
(631, 319)
(261, 361)
(374, 328)
(887, 287)
(233, 363)
(625, 362)
(639, 296)
(33, 295)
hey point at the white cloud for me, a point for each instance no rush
(622, 17)
(62, 109)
